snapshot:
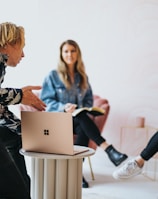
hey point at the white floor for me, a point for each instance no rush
(105, 187)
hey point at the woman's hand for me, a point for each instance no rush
(29, 98)
(69, 108)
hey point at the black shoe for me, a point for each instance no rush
(116, 157)
(84, 183)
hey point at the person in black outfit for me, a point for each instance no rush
(135, 166)
(14, 180)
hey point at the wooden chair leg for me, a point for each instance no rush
(90, 165)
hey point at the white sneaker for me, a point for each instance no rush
(128, 170)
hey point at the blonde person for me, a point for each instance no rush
(14, 180)
(67, 88)
(135, 166)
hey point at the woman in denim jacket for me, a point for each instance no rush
(68, 88)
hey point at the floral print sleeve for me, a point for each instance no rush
(8, 96)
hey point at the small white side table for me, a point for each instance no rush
(56, 176)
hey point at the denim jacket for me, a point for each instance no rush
(8, 96)
(56, 95)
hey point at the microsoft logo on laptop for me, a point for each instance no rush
(46, 132)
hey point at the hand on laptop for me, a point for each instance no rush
(29, 98)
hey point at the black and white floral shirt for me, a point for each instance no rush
(8, 96)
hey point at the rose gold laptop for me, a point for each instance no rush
(48, 132)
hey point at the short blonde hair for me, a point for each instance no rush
(11, 34)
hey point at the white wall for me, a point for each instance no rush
(119, 42)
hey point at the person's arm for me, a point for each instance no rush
(10, 96)
(88, 98)
(29, 98)
(51, 92)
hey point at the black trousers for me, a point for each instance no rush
(14, 180)
(151, 148)
(86, 129)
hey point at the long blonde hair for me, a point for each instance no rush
(11, 34)
(79, 67)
